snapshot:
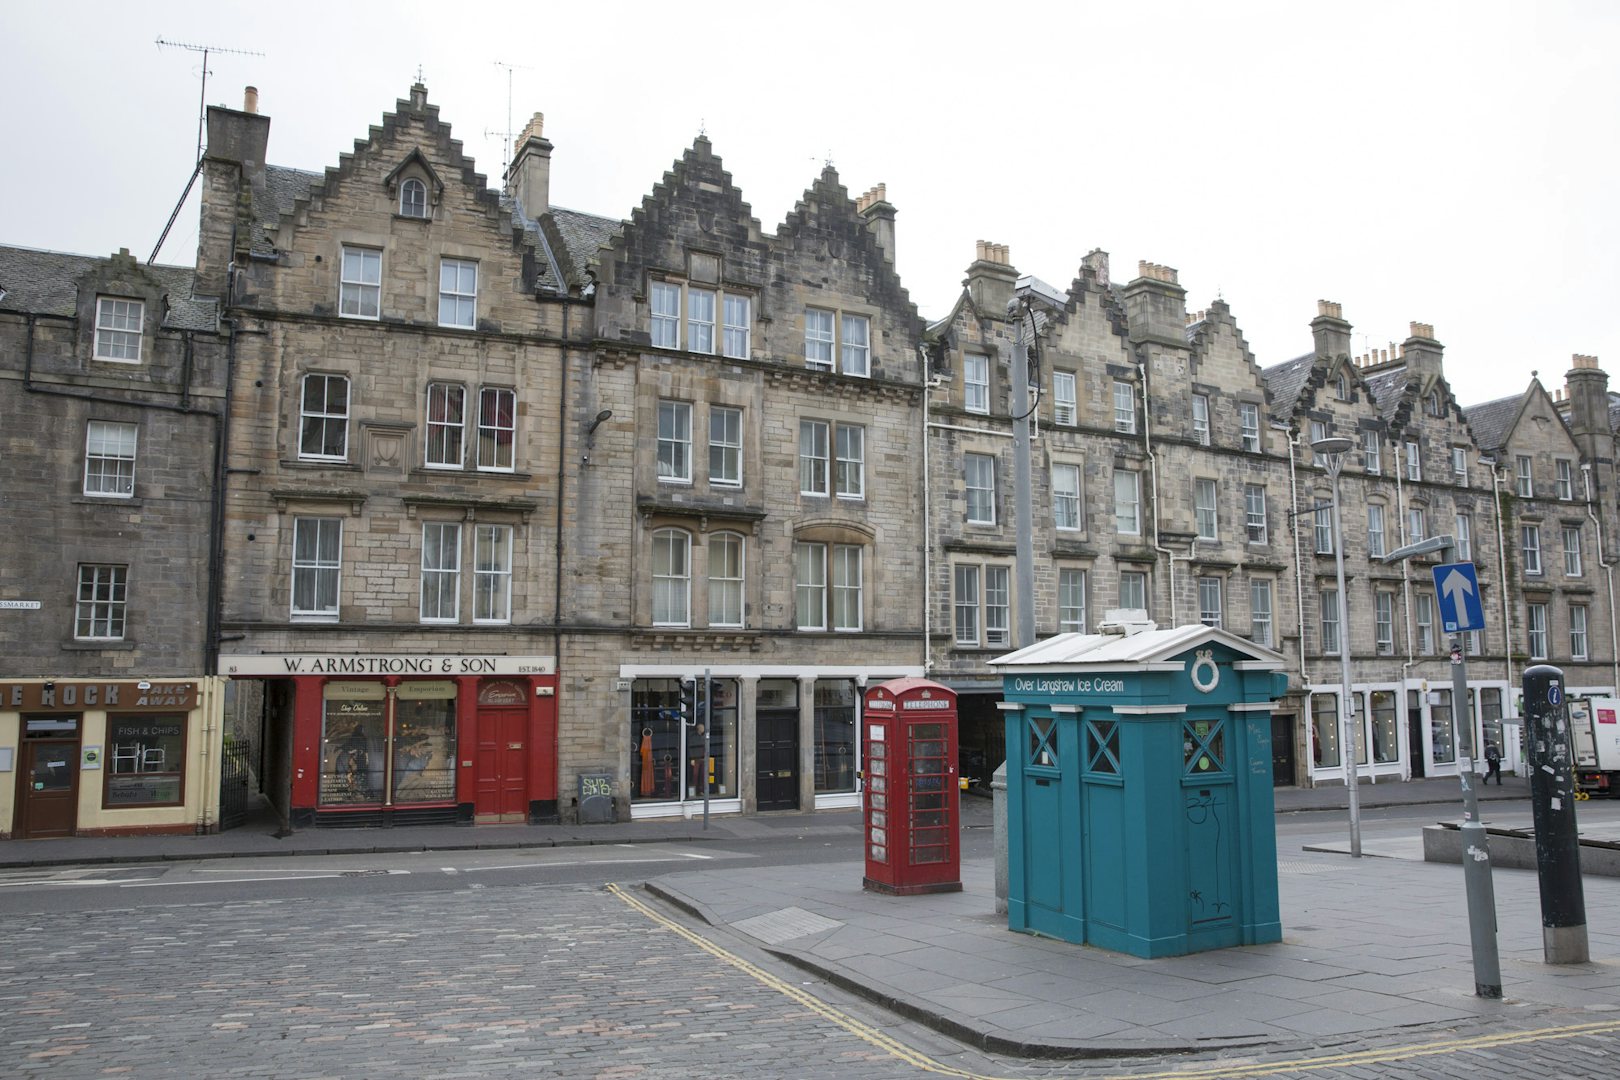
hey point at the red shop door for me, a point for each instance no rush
(503, 790)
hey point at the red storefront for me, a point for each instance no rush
(404, 740)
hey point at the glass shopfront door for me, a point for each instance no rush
(48, 781)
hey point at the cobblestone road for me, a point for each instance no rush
(534, 981)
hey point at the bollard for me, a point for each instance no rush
(1552, 797)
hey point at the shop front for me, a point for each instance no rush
(109, 757)
(1405, 731)
(409, 740)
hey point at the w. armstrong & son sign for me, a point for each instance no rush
(385, 664)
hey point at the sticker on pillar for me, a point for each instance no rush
(1205, 674)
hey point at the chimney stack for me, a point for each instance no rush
(1331, 332)
(1423, 356)
(1587, 389)
(528, 178)
(1156, 305)
(875, 208)
(991, 279)
(233, 166)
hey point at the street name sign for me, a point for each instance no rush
(1457, 589)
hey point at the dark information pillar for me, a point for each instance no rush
(1552, 796)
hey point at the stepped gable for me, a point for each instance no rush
(47, 283)
(1214, 320)
(827, 212)
(697, 177)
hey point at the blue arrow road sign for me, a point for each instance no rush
(1458, 591)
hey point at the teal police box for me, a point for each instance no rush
(1139, 802)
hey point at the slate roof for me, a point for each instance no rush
(46, 283)
(1491, 421)
(583, 234)
(1286, 380)
(1387, 389)
(282, 188)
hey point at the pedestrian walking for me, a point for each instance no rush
(1493, 763)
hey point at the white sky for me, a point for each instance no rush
(1450, 163)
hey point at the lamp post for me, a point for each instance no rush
(1331, 453)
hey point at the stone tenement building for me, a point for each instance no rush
(498, 475)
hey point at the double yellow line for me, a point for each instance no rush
(875, 1037)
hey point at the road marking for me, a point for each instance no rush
(877, 1038)
(221, 881)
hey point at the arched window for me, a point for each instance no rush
(672, 578)
(725, 579)
(413, 199)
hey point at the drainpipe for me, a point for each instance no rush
(1608, 573)
(1153, 476)
(1299, 581)
(929, 387)
(1501, 565)
(1406, 577)
(562, 476)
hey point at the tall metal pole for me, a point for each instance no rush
(1023, 526)
(708, 722)
(1347, 707)
(1476, 851)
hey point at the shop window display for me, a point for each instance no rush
(836, 711)
(147, 765)
(365, 757)
(425, 743)
(666, 755)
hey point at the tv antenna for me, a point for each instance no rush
(507, 135)
(202, 116)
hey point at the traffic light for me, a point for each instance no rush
(689, 701)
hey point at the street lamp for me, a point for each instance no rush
(1331, 453)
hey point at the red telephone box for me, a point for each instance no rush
(912, 817)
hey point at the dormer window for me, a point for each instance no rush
(1432, 403)
(1341, 387)
(413, 199)
(118, 329)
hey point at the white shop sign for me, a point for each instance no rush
(385, 664)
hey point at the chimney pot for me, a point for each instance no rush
(250, 99)
(1422, 330)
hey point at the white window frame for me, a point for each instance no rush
(1535, 627)
(702, 317)
(976, 382)
(1424, 616)
(1414, 462)
(1573, 565)
(1577, 632)
(1417, 524)
(1260, 611)
(725, 446)
(671, 577)
(727, 573)
(674, 442)
(1530, 548)
(1341, 387)
(323, 418)
(664, 315)
(1124, 408)
(101, 603)
(1206, 509)
(409, 206)
(997, 606)
(979, 488)
(360, 283)
(1065, 405)
(1066, 497)
(1255, 525)
(1249, 418)
(1071, 600)
(442, 432)
(820, 338)
(1319, 431)
(1322, 532)
(810, 586)
(458, 293)
(492, 574)
(120, 329)
(1465, 538)
(814, 455)
(1332, 629)
(109, 459)
(855, 346)
(1375, 530)
(849, 461)
(323, 571)
(1565, 480)
(1210, 605)
(736, 326)
(1526, 476)
(965, 605)
(1133, 584)
(1200, 419)
(1128, 503)
(848, 592)
(491, 429)
(1459, 465)
(1372, 455)
(441, 577)
(1384, 622)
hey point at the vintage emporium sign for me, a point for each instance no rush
(385, 664)
(121, 697)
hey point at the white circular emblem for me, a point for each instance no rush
(1205, 675)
